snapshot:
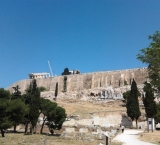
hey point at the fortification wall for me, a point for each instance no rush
(79, 82)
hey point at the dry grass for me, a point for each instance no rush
(82, 107)
(152, 137)
(38, 139)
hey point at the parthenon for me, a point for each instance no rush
(39, 75)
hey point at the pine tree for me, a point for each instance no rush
(47, 108)
(66, 72)
(17, 110)
(5, 121)
(132, 105)
(53, 114)
(17, 93)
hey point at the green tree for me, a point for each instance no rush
(125, 83)
(151, 56)
(5, 121)
(42, 89)
(53, 114)
(17, 93)
(65, 84)
(66, 72)
(17, 110)
(56, 91)
(60, 116)
(126, 95)
(148, 101)
(132, 105)
(57, 119)
(47, 108)
(32, 98)
(157, 116)
(4, 94)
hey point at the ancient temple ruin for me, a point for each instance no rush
(38, 75)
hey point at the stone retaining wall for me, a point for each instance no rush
(86, 81)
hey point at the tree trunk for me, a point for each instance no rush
(152, 124)
(136, 124)
(35, 129)
(51, 131)
(15, 125)
(132, 124)
(31, 129)
(148, 124)
(2, 133)
(42, 126)
(26, 127)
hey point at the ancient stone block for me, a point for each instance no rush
(82, 130)
(69, 129)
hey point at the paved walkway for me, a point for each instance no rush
(130, 137)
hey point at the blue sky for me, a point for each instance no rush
(88, 35)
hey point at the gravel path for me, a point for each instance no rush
(130, 137)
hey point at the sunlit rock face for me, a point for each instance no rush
(113, 82)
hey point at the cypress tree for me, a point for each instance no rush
(132, 105)
(56, 91)
(148, 101)
(33, 100)
(65, 84)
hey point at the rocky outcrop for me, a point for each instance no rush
(99, 93)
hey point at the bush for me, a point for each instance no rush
(42, 89)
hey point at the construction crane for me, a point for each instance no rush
(50, 69)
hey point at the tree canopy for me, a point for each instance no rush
(17, 110)
(42, 89)
(66, 72)
(126, 95)
(5, 121)
(157, 116)
(151, 56)
(53, 114)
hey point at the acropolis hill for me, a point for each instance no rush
(87, 81)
